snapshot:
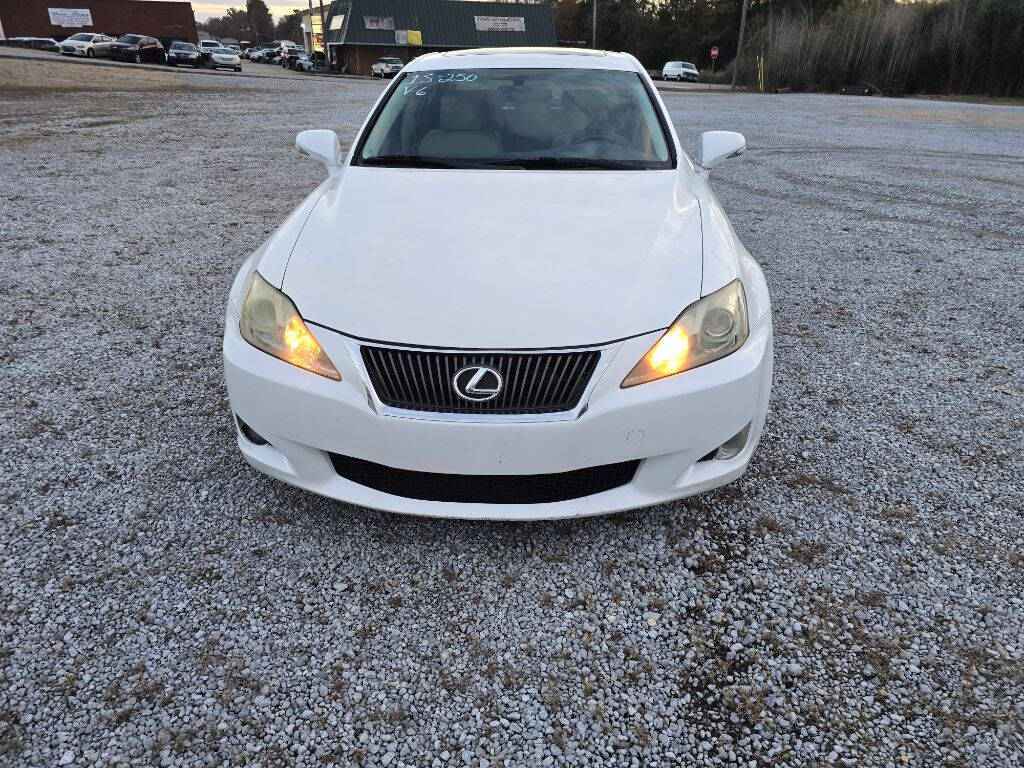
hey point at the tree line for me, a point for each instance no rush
(255, 24)
(971, 47)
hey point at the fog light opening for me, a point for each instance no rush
(731, 448)
(249, 433)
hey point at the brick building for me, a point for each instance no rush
(59, 19)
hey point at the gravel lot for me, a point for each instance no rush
(855, 599)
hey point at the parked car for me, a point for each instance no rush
(302, 63)
(37, 43)
(137, 48)
(205, 46)
(680, 70)
(583, 370)
(389, 66)
(88, 44)
(183, 53)
(236, 49)
(224, 58)
(288, 55)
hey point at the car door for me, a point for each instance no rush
(103, 45)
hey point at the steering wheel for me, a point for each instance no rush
(612, 138)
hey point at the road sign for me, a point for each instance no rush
(714, 52)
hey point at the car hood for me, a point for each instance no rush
(498, 259)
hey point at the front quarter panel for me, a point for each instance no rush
(725, 258)
(277, 249)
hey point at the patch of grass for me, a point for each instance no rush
(768, 524)
(873, 598)
(808, 552)
(803, 480)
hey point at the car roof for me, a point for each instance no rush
(526, 58)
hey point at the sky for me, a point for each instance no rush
(278, 8)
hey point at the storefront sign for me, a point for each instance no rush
(70, 17)
(500, 23)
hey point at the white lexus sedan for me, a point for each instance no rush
(516, 297)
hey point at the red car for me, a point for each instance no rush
(137, 48)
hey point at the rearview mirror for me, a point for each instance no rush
(718, 146)
(322, 145)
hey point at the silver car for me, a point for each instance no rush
(389, 66)
(225, 58)
(88, 44)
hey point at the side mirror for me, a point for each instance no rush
(718, 146)
(321, 145)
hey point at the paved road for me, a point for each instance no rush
(249, 69)
(256, 69)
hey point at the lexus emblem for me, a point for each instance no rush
(477, 383)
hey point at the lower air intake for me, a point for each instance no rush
(485, 489)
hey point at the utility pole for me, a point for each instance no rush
(323, 35)
(739, 44)
(593, 38)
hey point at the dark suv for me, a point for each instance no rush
(137, 48)
(183, 53)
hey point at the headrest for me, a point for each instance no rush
(461, 113)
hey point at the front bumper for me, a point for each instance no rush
(669, 425)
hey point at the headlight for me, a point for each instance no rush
(271, 323)
(707, 330)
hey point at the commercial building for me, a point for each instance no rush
(312, 28)
(361, 31)
(166, 21)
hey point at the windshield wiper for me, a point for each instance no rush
(572, 163)
(423, 161)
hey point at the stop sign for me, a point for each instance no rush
(714, 52)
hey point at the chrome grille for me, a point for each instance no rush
(534, 382)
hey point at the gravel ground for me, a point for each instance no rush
(855, 599)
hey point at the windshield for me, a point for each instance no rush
(688, 65)
(182, 47)
(129, 38)
(518, 118)
(82, 36)
(227, 51)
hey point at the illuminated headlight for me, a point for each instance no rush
(707, 330)
(271, 323)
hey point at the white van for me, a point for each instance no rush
(679, 70)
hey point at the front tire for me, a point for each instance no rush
(89, 54)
